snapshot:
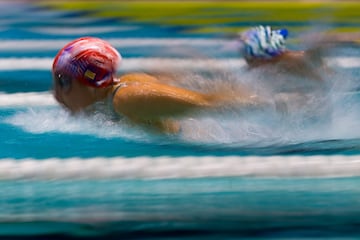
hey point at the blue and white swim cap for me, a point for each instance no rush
(262, 42)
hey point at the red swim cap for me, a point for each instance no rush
(90, 60)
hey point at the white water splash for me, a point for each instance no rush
(258, 128)
(57, 120)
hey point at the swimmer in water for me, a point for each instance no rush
(298, 80)
(261, 46)
(84, 73)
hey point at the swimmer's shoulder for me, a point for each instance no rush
(137, 77)
(132, 92)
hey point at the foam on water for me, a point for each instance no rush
(242, 128)
(57, 120)
(39, 113)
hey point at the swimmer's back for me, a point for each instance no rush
(137, 77)
(144, 97)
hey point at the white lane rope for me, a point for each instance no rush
(38, 63)
(41, 44)
(129, 64)
(179, 167)
(26, 99)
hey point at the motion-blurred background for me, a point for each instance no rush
(64, 177)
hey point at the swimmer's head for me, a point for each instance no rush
(91, 61)
(263, 42)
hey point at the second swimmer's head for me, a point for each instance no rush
(262, 42)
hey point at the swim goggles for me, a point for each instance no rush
(64, 81)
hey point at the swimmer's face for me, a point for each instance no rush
(70, 93)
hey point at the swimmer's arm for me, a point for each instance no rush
(329, 39)
(156, 101)
(320, 43)
(301, 63)
(155, 105)
(308, 63)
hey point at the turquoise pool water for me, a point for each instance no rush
(228, 176)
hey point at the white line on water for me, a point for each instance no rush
(130, 64)
(33, 63)
(86, 31)
(38, 44)
(180, 167)
(26, 99)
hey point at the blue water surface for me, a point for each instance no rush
(229, 207)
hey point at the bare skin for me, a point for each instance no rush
(308, 63)
(309, 69)
(302, 63)
(148, 102)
